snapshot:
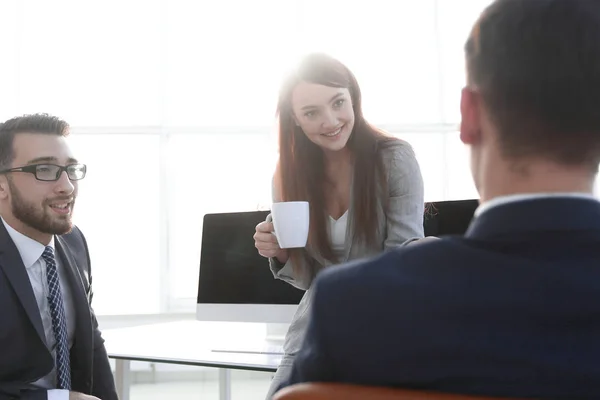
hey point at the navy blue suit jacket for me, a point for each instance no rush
(510, 309)
(24, 357)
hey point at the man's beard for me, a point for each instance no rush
(36, 217)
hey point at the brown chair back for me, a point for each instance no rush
(338, 391)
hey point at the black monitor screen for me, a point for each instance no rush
(231, 270)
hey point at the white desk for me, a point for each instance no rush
(191, 343)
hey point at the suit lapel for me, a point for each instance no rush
(83, 325)
(75, 278)
(12, 265)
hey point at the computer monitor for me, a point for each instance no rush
(236, 284)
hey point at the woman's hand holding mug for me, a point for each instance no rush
(266, 243)
(288, 230)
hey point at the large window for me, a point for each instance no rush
(211, 173)
(118, 210)
(93, 63)
(172, 105)
(391, 48)
(225, 59)
(453, 26)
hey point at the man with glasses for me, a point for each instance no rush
(50, 344)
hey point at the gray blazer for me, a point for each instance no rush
(401, 224)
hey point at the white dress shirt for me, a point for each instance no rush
(31, 254)
(529, 196)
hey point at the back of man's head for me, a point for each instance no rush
(536, 65)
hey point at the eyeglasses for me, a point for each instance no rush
(51, 172)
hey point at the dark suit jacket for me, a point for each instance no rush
(510, 309)
(24, 357)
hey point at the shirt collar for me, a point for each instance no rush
(29, 249)
(530, 196)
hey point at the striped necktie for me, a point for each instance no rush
(59, 321)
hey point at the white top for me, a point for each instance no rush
(337, 234)
(31, 254)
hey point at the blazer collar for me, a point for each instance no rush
(536, 214)
(80, 353)
(14, 269)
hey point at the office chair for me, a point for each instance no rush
(339, 391)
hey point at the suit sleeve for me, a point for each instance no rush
(312, 363)
(406, 202)
(103, 385)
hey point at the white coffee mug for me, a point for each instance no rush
(291, 221)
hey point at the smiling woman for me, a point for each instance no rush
(324, 114)
(363, 186)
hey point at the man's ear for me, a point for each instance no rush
(470, 124)
(4, 188)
